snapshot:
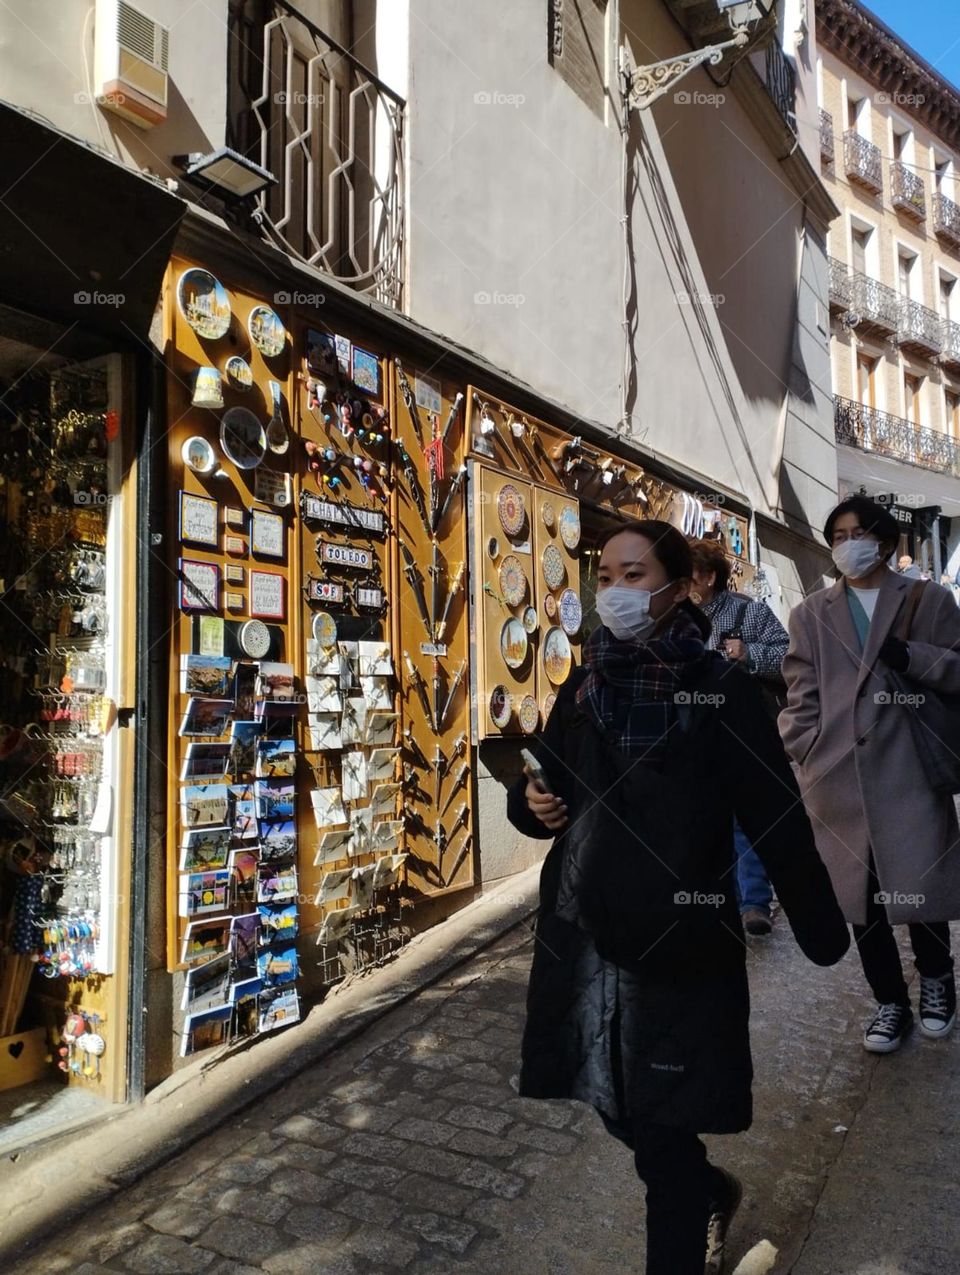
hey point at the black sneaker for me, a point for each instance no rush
(757, 922)
(889, 1029)
(721, 1215)
(938, 1006)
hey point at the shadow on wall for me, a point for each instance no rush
(503, 850)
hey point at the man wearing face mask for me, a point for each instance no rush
(891, 844)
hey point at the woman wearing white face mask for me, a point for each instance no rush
(891, 844)
(638, 1001)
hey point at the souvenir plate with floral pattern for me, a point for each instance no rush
(513, 643)
(548, 704)
(324, 629)
(513, 582)
(571, 612)
(550, 606)
(529, 715)
(557, 658)
(570, 527)
(548, 514)
(553, 568)
(501, 709)
(511, 509)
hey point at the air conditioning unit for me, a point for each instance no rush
(130, 63)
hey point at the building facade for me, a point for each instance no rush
(890, 132)
(447, 305)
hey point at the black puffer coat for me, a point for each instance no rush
(638, 1001)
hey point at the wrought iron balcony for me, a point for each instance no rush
(877, 305)
(906, 191)
(331, 132)
(950, 342)
(946, 220)
(781, 80)
(840, 285)
(871, 430)
(918, 328)
(862, 162)
(826, 137)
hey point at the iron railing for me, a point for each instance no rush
(870, 430)
(826, 136)
(877, 305)
(906, 191)
(781, 81)
(949, 342)
(918, 326)
(946, 219)
(331, 132)
(840, 284)
(862, 161)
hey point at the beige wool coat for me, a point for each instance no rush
(859, 773)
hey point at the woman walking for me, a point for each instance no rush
(638, 1001)
(890, 843)
(743, 629)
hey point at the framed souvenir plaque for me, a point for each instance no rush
(267, 598)
(266, 533)
(199, 520)
(199, 585)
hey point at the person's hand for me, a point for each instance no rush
(895, 654)
(550, 810)
(734, 649)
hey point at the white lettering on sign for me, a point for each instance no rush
(324, 591)
(312, 507)
(368, 597)
(346, 556)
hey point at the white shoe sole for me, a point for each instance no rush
(882, 1046)
(938, 1033)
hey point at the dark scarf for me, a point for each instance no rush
(631, 686)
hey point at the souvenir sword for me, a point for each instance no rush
(454, 686)
(419, 685)
(452, 490)
(459, 859)
(452, 592)
(409, 401)
(436, 695)
(434, 571)
(416, 586)
(458, 779)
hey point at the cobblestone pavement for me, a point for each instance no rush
(409, 1150)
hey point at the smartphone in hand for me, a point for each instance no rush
(535, 771)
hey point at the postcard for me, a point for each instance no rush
(335, 925)
(275, 800)
(325, 731)
(382, 765)
(245, 689)
(377, 692)
(278, 921)
(386, 835)
(206, 1029)
(203, 849)
(277, 883)
(362, 886)
(204, 892)
(205, 762)
(334, 886)
(354, 776)
(243, 746)
(323, 694)
(279, 1007)
(276, 758)
(333, 845)
(278, 841)
(387, 870)
(381, 729)
(243, 989)
(328, 806)
(354, 720)
(203, 804)
(205, 675)
(243, 865)
(276, 682)
(244, 935)
(277, 964)
(375, 659)
(384, 799)
(207, 985)
(206, 717)
(205, 939)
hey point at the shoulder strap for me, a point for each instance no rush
(913, 598)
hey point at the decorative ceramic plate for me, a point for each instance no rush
(511, 509)
(529, 619)
(557, 658)
(238, 373)
(203, 302)
(553, 568)
(493, 547)
(548, 704)
(266, 331)
(550, 606)
(570, 527)
(501, 710)
(571, 612)
(548, 514)
(324, 628)
(513, 582)
(529, 715)
(242, 438)
(254, 638)
(199, 455)
(513, 643)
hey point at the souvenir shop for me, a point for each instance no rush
(375, 569)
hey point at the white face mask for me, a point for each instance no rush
(626, 612)
(856, 558)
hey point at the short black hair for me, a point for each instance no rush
(871, 516)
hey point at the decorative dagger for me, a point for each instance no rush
(454, 686)
(459, 859)
(440, 841)
(416, 586)
(454, 589)
(458, 779)
(419, 685)
(542, 451)
(439, 766)
(413, 484)
(434, 571)
(415, 750)
(409, 401)
(459, 818)
(454, 412)
(452, 490)
(436, 696)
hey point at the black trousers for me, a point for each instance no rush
(880, 955)
(682, 1188)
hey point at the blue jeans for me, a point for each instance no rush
(753, 886)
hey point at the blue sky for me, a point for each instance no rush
(932, 27)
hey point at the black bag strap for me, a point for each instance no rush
(913, 599)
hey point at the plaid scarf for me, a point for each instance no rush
(630, 686)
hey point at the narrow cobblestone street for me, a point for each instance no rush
(409, 1150)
